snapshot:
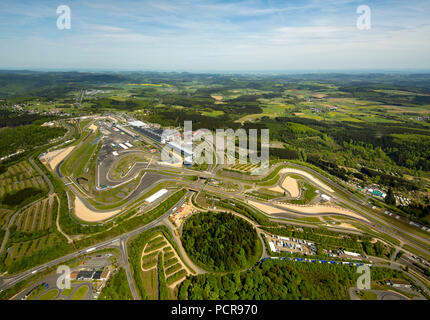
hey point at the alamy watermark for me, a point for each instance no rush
(63, 281)
(64, 20)
(363, 281)
(364, 21)
(221, 149)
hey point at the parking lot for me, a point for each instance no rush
(88, 276)
(291, 245)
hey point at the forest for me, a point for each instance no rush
(20, 197)
(279, 280)
(26, 137)
(9, 118)
(404, 145)
(220, 241)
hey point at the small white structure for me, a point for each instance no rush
(115, 153)
(188, 160)
(156, 195)
(349, 253)
(123, 146)
(325, 197)
(272, 246)
(138, 123)
(128, 144)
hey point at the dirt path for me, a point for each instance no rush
(175, 255)
(187, 260)
(34, 216)
(69, 240)
(50, 205)
(43, 213)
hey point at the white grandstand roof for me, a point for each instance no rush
(156, 195)
(137, 123)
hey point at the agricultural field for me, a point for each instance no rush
(4, 217)
(19, 250)
(32, 233)
(157, 269)
(243, 168)
(37, 217)
(20, 176)
(159, 255)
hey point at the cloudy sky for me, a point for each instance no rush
(189, 35)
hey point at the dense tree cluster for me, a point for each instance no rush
(176, 117)
(9, 118)
(390, 199)
(24, 195)
(377, 249)
(26, 137)
(389, 180)
(220, 241)
(283, 280)
(419, 211)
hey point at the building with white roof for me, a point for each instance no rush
(156, 195)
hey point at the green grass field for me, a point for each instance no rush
(80, 293)
(49, 295)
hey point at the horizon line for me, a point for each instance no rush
(265, 71)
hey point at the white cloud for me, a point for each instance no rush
(104, 28)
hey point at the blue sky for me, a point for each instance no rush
(188, 35)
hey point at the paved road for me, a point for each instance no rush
(354, 202)
(51, 187)
(127, 269)
(7, 282)
(182, 252)
(380, 295)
